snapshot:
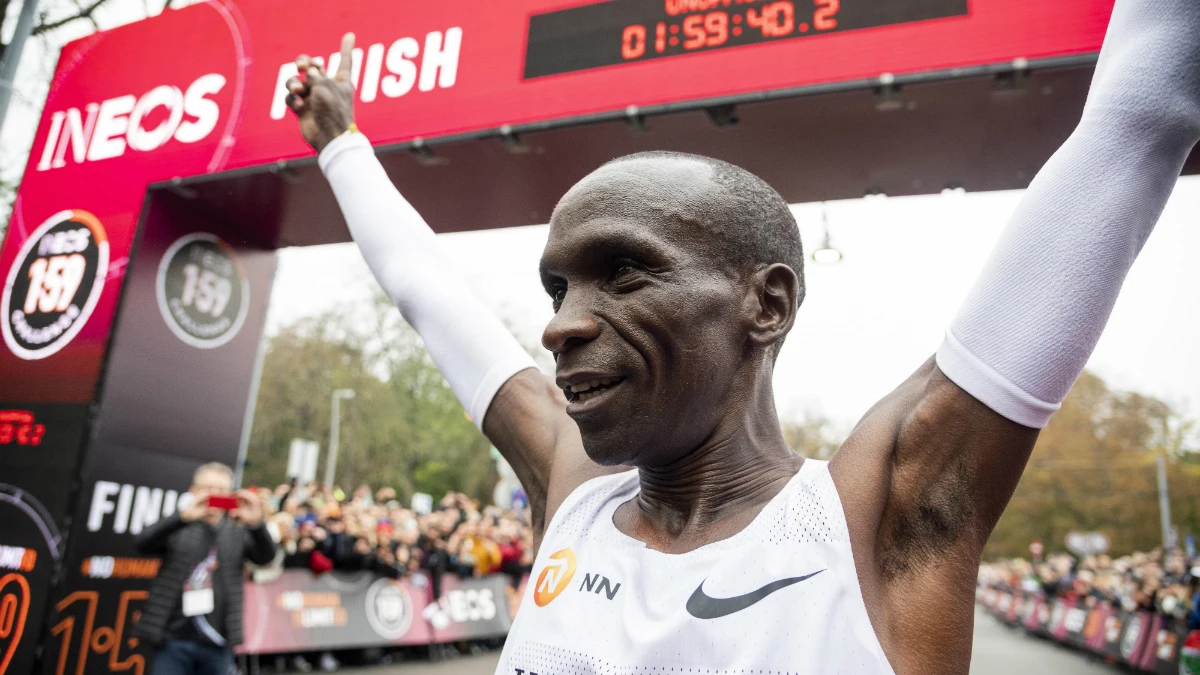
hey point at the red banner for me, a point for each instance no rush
(302, 612)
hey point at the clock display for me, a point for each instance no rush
(624, 31)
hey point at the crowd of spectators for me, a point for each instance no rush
(320, 528)
(1154, 581)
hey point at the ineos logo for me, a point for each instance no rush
(106, 129)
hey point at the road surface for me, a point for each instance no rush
(999, 650)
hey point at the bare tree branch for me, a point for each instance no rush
(85, 12)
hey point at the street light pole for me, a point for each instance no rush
(1164, 503)
(334, 424)
(12, 55)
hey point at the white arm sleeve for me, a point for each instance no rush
(474, 350)
(1030, 323)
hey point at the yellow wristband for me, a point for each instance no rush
(352, 129)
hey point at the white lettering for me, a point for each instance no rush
(56, 121)
(101, 504)
(146, 505)
(279, 102)
(317, 617)
(111, 126)
(370, 79)
(114, 125)
(135, 508)
(80, 134)
(165, 96)
(121, 520)
(101, 566)
(403, 69)
(392, 71)
(11, 557)
(197, 104)
(168, 506)
(440, 61)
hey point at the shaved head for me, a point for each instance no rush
(748, 217)
(674, 280)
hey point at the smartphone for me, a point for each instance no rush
(223, 502)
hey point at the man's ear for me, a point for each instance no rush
(773, 308)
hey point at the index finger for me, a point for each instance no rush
(343, 71)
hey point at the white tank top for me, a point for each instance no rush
(781, 596)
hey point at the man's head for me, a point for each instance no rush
(212, 478)
(674, 279)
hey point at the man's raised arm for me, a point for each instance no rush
(1029, 325)
(473, 349)
(928, 472)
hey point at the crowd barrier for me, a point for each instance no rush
(1144, 641)
(300, 612)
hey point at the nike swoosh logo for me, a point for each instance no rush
(703, 606)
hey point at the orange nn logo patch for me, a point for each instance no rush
(555, 577)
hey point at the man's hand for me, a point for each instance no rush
(325, 105)
(197, 509)
(249, 511)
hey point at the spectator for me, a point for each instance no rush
(193, 616)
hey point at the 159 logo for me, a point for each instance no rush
(54, 284)
(203, 292)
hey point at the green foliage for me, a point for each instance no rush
(813, 436)
(404, 428)
(1093, 468)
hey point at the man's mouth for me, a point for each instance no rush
(588, 389)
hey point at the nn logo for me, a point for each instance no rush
(599, 584)
(555, 577)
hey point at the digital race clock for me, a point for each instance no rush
(623, 31)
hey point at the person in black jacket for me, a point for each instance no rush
(193, 616)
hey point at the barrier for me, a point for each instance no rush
(299, 611)
(1144, 641)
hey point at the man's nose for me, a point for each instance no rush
(572, 324)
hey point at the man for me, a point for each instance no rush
(674, 280)
(193, 616)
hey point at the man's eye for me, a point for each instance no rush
(624, 273)
(557, 296)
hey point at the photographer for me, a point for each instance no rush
(193, 616)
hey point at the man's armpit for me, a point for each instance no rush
(918, 534)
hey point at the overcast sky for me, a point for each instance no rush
(869, 320)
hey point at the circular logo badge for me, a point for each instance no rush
(54, 284)
(202, 290)
(389, 609)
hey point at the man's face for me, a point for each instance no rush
(212, 482)
(648, 332)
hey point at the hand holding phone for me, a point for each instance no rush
(223, 502)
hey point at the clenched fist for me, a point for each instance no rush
(324, 104)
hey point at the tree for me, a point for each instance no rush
(1093, 469)
(404, 428)
(814, 435)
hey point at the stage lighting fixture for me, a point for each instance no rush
(512, 141)
(826, 254)
(723, 115)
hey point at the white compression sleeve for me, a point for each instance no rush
(474, 350)
(1030, 323)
